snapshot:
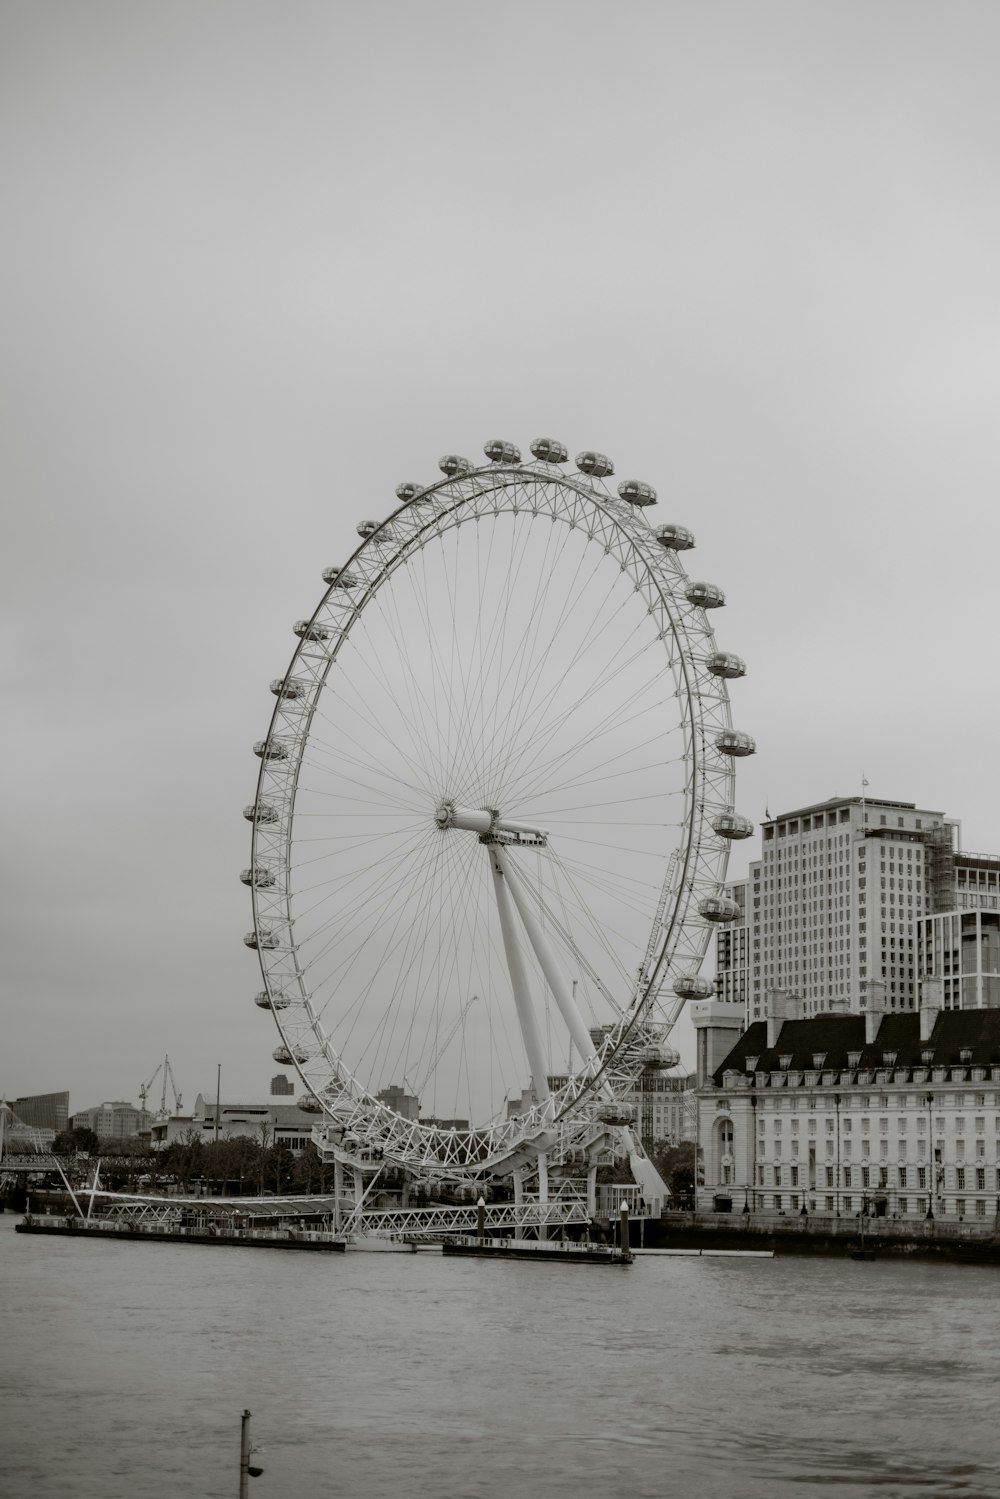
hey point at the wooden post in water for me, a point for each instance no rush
(623, 1217)
(481, 1220)
(245, 1455)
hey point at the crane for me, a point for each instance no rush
(442, 1048)
(144, 1089)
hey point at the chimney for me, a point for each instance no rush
(781, 1006)
(875, 1010)
(931, 1005)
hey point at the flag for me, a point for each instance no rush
(863, 781)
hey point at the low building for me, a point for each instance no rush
(888, 1112)
(113, 1121)
(267, 1123)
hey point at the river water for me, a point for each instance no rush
(124, 1368)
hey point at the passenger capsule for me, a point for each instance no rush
(265, 938)
(725, 664)
(502, 452)
(339, 577)
(659, 1058)
(379, 530)
(732, 825)
(287, 1056)
(616, 1113)
(288, 689)
(596, 464)
(547, 450)
(407, 493)
(705, 595)
(692, 986)
(310, 1104)
(677, 538)
(734, 742)
(718, 908)
(270, 749)
(260, 877)
(452, 465)
(275, 1001)
(307, 629)
(637, 493)
(261, 813)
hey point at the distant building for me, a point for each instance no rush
(894, 1113)
(397, 1098)
(43, 1111)
(113, 1121)
(835, 903)
(281, 1086)
(666, 1109)
(267, 1123)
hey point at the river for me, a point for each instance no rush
(124, 1368)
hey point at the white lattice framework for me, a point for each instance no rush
(696, 673)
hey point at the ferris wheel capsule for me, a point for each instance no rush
(310, 1104)
(270, 749)
(705, 595)
(261, 813)
(261, 937)
(271, 1001)
(615, 1113)
(732, 825)
(634, 492)
(658, 1058)
(675, 538)
(692, 986)
(597, 465)
(735, 743)
(547, 450)
(502, 452)
(288, 689)
(408, 493)
(286, 1056)
(719, 908)
(259, 877)
(307, 629)
(725, 664)
(339, 577)
(453, 466)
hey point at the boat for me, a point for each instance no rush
(212, 1231)
(565, 1251)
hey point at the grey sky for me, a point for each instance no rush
(264, 261)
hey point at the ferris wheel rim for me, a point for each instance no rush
(459, 492)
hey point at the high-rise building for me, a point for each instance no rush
(44, 1111)
(281, 1086)
(832, 910)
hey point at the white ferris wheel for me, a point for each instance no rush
(493, 814)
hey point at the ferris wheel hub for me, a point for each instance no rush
(490, 824)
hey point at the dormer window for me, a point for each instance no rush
(888, 1059)
(927, 1056)
(752, 1063)
(853, 1058)
(965, 1055)
(819, 1057)
(785, 1062)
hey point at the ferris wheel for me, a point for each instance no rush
(493, 812)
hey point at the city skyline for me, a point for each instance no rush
(235, 326)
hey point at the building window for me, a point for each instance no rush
(980, 1209)
(902, 1205)
(960, 1206)
(777, 1202)
(865, 1176)
(902, 1176)
(981, 1179)
(960, 1178)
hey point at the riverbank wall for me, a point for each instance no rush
(933, 1239)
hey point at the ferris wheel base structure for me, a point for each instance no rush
(500, 764)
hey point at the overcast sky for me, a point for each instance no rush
(262, 261)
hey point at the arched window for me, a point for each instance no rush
(724, 1141)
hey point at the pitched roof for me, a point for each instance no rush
(835, 1036)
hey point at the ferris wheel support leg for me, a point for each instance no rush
(518, 1202)
(543, 1191)
(338, 1192)
(592, 1190)
(519, 981)
(553, 977)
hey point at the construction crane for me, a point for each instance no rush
(144, 1089)
(416, 1091)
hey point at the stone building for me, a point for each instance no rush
(894, 1113)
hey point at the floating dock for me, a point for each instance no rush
(563, 1251)
(244, 1238)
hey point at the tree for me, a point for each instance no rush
(675, 1163)
(79, 1139)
